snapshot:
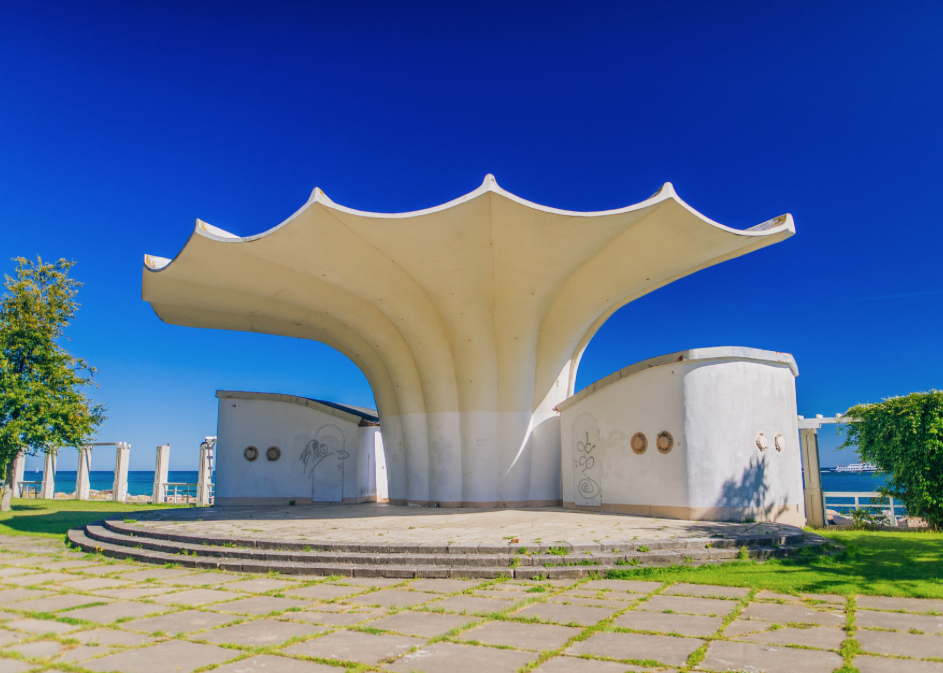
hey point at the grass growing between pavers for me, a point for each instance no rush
(54, 518)
(872, 563)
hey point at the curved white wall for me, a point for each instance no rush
(713, 402)
(327, 455)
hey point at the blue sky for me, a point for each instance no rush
(120, 123)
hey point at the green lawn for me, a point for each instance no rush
(53, 518)
(887, 564)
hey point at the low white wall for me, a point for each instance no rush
(713, 402)
(327, 454)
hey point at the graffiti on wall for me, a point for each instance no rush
(323, 459)
(586, 462)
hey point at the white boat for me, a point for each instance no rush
(857, 467)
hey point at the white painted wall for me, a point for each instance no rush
(713, 402)
(326, 456)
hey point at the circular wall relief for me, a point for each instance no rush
(761, 442)
(664, 442)
(251, 453)
(639, 443)
(779, 441)
(273, 453)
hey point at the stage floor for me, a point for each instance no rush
(374, 522)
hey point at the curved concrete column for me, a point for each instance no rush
(468, 319)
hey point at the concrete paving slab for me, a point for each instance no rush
(664, 649)
(730, 656)
(133, 593)
(7, 637)
(592, 602)
(516, 596)
(364, 648)
(774, 596)
(324, 592)
(260, 585)
(172, 656)
(831, 599)
(106, 569)
(201, 579)
(260, 633)
(11, 596)
(262, 605)
(791, 614)
(443, 586)
(705, 590)
(577, 665)
(38, 649)
(82, 653)
(13, 572)
(454, 658)
(906, 604)
(334, 618)
(196, 597)
(157, 573)
(565, 614)
(821, 637)
(472, 605)
(686, 625)
(14, 666)
(523, 636)
(58, 602)
(187, 621)
(95, 583)
(630, 586)
(421, 624)
(692, 606)
(394, 598)
(900, 644)
(112, 638)
(370, 582)
(40, 578)
(106, 614)
(268, 663)
(866, 664)
(37, 626)
(898, 621)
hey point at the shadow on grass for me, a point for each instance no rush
(57, 517)
(889, 564)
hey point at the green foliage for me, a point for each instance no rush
(866, 519)
(903, 436)
(56, 517)
(42, 404)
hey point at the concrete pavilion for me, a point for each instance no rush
(468, 319)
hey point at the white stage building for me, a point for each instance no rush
(469, 320)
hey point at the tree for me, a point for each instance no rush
(42, 403)
(903, 436)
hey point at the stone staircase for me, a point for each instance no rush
(119, 539)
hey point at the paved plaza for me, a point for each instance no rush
(370, 522)
(59, 607)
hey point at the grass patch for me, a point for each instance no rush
(873, 563)
(53, 518)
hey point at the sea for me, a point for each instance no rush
(139, 482)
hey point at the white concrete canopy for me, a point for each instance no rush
(468, 319)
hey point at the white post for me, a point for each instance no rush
(83, 476)
(205, 480)
(892, 514)
(49, 476)
(812, 475)
(120, 488)
(19, 467)
(161, 469)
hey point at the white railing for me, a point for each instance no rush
(872, 500)
(30, 489)
(177, 492)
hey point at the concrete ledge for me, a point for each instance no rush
(488, 504)
(785, 514)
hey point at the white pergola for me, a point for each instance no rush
(468, 319)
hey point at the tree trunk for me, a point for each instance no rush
(7, 499)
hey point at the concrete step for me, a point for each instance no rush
(123, 540)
